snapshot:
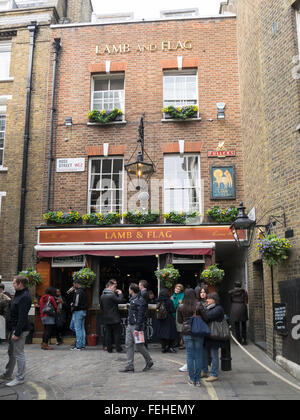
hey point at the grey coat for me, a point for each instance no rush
(239, 311)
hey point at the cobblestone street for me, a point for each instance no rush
(93, 374)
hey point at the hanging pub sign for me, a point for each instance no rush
(220, 153)
(280, 318)
(75, 261)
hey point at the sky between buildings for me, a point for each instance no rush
(151, 9)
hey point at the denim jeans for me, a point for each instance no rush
(77, 325)
(194, 354)
(214, 352)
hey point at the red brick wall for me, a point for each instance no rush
(213, 53)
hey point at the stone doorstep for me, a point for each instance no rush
(291, 367)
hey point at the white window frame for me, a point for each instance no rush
(2, 149)
(89, 204)
(182, 187)
(5, 47)
(108, 77)
(298, 28)
(2, 194)
(181, 73)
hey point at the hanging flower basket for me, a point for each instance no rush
(62, 218)
(168, 276)
(105, 116)
(212, 275)
(273, 249)
(33, 276)
(227, 215)
(181, 112)
(86, 277)
(102, 219)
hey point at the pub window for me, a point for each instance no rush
(180, 88)
(105, 185)
(5, 49)
(108, 93)
(182, 185)
(2, 134)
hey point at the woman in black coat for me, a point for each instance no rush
(214, 312)
(165, 329)
(239, 311)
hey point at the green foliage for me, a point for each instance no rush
(62, 218)
(104, 116)
(33, 277)
(179, 218)
(86, 277)
(139, 218)
(168, 275)
(212, 275)
(181, 113)
(102, 219)
(227, 215)
(273, 249)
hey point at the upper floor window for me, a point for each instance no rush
(5, 48)
(108, 92)
(180, 88)
(105, 185)
(298, 28)
(2, 135)
(182, 186)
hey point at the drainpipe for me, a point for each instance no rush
(32, 32)
(56, 47)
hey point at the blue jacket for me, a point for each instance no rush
(137, 311)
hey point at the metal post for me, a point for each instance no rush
(226, 356)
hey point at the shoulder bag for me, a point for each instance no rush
(219, 330)
(48, 308)
(198, 327)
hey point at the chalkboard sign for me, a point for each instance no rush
(280, 318)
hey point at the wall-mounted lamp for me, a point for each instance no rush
(221, 110)
(139, 168)
(243, 224)
(68, 126)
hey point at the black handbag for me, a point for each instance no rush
(48, 308)
(219, 330)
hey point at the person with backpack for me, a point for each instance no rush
(194, 344)
(165, 326)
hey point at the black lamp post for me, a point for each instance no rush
(140, 168)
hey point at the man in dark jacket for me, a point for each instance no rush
(79, 307)
(239, 311)
(109, 301)
(136, 314)
(19, 326)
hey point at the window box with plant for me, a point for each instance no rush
(212, 275)
(105, 116)
(181, 113)
(102, 219)
(273, 249)
(227, 215)
(180, 218)
(168, 276)
(62, 218)
(139, 218)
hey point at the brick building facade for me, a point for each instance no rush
(268, 51)
(140, 58)
(16, 28)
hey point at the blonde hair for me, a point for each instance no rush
(180, 286)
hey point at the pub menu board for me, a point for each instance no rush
(280, 318)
